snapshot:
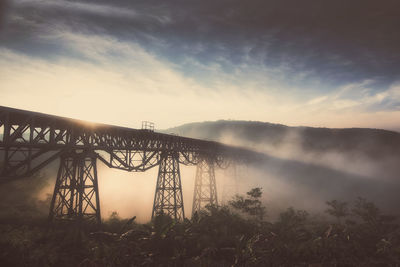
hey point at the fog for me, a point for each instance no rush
(354, 162)
(293, 174)
(305, 175)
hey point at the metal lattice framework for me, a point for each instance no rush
(30, 140)
(76, 189)
(205, 187)
(168, 197)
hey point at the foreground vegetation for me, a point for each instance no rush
(232, 235)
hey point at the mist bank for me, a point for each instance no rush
(307, 166)
(373, 143)
(361, 151)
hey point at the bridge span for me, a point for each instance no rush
(30, 140)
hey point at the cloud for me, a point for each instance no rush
(385, 101)
(327, 45)
(209, 60)
(109, 79)
(360, 97)
(104, 10)
(98, 9)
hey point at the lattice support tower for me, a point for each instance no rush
(205, 187)
(76, 192)
(168, 197)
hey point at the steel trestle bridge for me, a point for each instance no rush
(29, 141)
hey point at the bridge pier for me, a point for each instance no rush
(76, 192)
(168, 196)
(205, 187)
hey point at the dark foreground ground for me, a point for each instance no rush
(355, 234)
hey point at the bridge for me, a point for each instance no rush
(29, 141)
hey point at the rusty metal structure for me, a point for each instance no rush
(29, 141)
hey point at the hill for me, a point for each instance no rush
(313, 165)
(374, 143)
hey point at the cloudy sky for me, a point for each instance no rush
(332, 63)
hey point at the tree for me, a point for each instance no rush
(338, 209)
(250, 205)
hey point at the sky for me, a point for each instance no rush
(319, 63)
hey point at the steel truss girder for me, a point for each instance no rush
(121, 148)
(205, 187)
(130, 160)
(76, 192)
(221, 162)
(168, 197)
(56, 132)
(188, 158)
